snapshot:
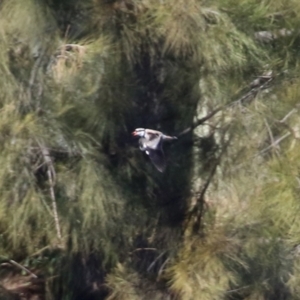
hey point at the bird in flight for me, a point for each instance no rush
(151, 142)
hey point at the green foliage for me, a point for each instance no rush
(84, 207)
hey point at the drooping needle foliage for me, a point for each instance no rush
(82, 208)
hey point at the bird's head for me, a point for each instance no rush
(139, 132)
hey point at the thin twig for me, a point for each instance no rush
(40, 250)
(238, 289)
(291, 130)
(288, 115)
(270, 132)
(198, 209)
(275, 143)
(287, 126)
(143, 249)
(200, 121)
(162, 267)
(155, 260)
(22, 267)
(252, 92)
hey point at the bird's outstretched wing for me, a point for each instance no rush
(157, 158)
(154, 141)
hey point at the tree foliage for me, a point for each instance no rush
(83, 210)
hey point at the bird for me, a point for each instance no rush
(151, 142)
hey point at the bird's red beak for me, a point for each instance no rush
(134, 133)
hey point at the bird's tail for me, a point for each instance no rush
(169, 138)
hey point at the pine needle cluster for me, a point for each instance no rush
(80, 202)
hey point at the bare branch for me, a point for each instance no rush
(200, 121)
(51, 177)
(287, 126)
(33, 75)
(241, 288)
(143, 249)
(162, 266)
(270, 132)
(252, 93)
(21, 267)
(154, 262)
(288, 115)
(275, 143)
(198, 209)
(260, 83)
